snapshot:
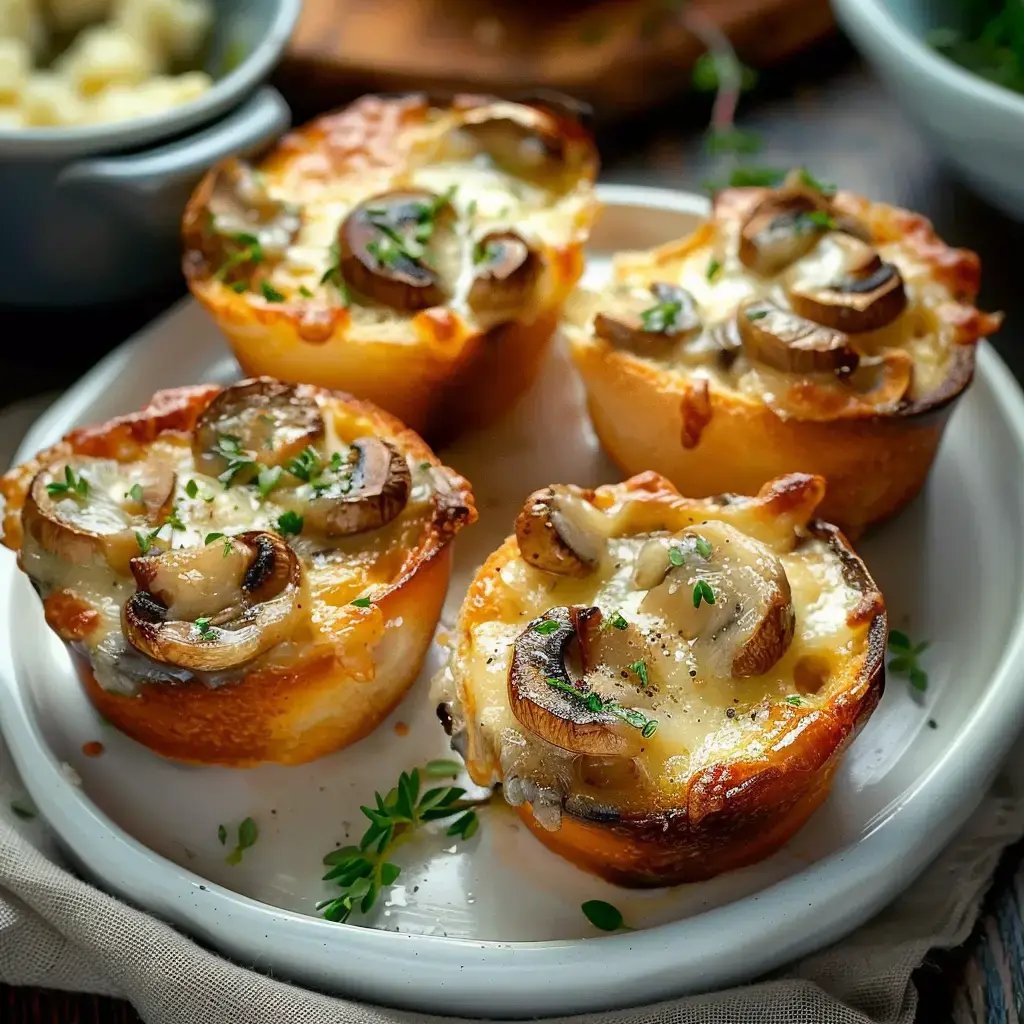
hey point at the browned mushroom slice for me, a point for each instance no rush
(506, 275)
(389, 248)
(790, 342)
(883, 381)
(559, 531)
(364, 492)
(783, 227)
(259, 421)
(867, 296)
(243, 224)
(215, 608)
(546, 701)
(729, 594)
(83, 508)
(647, 322)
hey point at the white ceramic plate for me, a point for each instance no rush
(493, 926)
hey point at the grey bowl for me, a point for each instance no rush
(976, 127)
(91, 215)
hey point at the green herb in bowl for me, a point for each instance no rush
(988, 40)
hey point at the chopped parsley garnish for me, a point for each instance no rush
(191, 488)
(72, 485)
(409, 239)
(145, 540)
(332, 275)
(239, 286)
(618, 622)
(361, 602)
(639, 668)
(251, 252)
(602, 915)
(135, 494)
(173, 519)
(289, 523)
(267, 479)
(676, 556)
(305, 465)
(795, 699)
(270, 293)
(714, 269)
(546, 628)
(205, 630)
(248, 833)
(363, 871)
(595, 702)
(906, 657)
(703, 547)
(702, 592)
(239, 460)
(817, 219)
(662, 318)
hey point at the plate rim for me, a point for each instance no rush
(431, 973)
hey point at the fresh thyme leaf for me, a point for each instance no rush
(211, 537)
(72, 485)
(145, 540)
(305, 292)
(305, 465)
(173, 519)
(441, 769)
(361, 602)
(639, 668)
(756, 314)
(250, 252)
(248, 833)
(135, 494)
(289, 523)
(710, 69)
(227, 547)
(662, 318)
(733, 140)
(191, 488)
(714, 269)
(618, 622)
(267, 479)
(704, 548)
(546, 628)
(918, 679)
(239, 286)
(270, 293)
(602, 915)
(675, 556)
(222, 835)
(206, 631)
(795, 699)
(898, 641)
(239, 460)
(905, 662)
(362, 871)
(702, 592)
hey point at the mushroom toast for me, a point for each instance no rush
(413, 255)
(796, 330)
(665, 685)
(242, 574)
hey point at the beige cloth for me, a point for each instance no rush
(59, 932)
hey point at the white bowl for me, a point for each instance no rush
(977, 127)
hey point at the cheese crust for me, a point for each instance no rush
(734, 765)
(452, 362)
(364, 605)
(711, 417)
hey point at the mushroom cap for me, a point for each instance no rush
(507, 271)
(780, 229)
(389, 248)
(263, 419)
(790, 342)
(559, 531)
(749, 624)
(552, 712)
(648, 321)
(250, 594)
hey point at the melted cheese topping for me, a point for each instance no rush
(701, 717)
(205, 511)
(485, 197)
(708, 266)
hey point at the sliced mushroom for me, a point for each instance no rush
(868, 295)
(884, 380)
(790, 342)
(82, 508)
(520, 140)
(246, 598)
(255, 421)
(564, 713)
(366, 493)
(648, 321)
(506, 275)
(747, 625)
(244, 225)
(559, 531)
(781, 229)
(389, 248)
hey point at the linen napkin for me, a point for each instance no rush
(57, 931)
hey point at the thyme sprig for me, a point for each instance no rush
(363, 871)
(906, 657)
(593, 701)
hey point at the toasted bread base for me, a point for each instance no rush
(874, 465)
(288, 717)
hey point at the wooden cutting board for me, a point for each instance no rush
(618, 55)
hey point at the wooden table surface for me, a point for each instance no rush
(824, 111)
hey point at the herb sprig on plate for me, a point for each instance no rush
(906, 657)
(363, 871)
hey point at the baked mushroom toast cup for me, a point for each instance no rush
(411, 254)
(665, 686)
(796, 330)
(242, 574)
